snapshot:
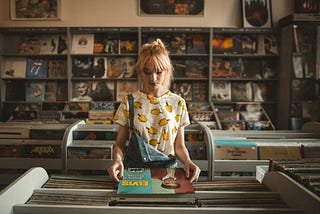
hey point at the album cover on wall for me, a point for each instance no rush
(256, 14)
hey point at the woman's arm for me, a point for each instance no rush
(116, 169)
(191, 169)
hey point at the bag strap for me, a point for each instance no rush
(131, 110)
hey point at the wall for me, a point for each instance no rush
(218, 13)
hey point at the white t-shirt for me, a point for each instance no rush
(156, 119)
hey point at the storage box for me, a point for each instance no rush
(235, 150)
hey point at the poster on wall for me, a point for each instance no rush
(256, 13)
(171, 7)
(35, 10)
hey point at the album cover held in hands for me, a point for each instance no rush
(154, 181)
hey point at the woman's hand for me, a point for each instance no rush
(192, 171)
(116, 171)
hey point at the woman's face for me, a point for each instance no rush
(129, 66)
(152, 78)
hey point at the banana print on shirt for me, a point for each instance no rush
(156, 119)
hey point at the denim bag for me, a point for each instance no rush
(141, 154)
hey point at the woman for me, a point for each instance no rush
(159, 115)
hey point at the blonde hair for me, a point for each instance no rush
(157, 55)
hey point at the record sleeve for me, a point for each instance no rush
(154, 181)
(82, 43)
(15, 67)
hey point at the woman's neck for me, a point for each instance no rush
(154, 92)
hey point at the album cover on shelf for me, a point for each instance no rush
(112, 45)
(90, 152)
(81, 90)
(225, 44)
(128, 45)
(35, 90)
(196, 68)
(115, 67)
(82, 67)
(183, 89)
(269, 69)
(15, 67)
(198, 106)
(53, 106)
(252, 68)
(249, 44)
(154, 181)
(51, 91)
(49, 44)
(252, 115)
(62, 91)
(124, 88)
(233, 125)
(82, 44)
(129, 70)
(99, 44)
(200, 91)
(258, 125)
(241, 91)
(221, 90)
(263, 91)
(271, 44)
(57, 69)
(29, 45)
(228, 115)
(102, 90)
(36, 68)
(78, 106)
(226, 67)
(63, 45)
(175, 43)
(15, 90)
(102, 106)
(196, 44)
(95, 135)
(29, 107)
(99, 67)
(179, 66)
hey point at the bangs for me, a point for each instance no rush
(157, 63)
